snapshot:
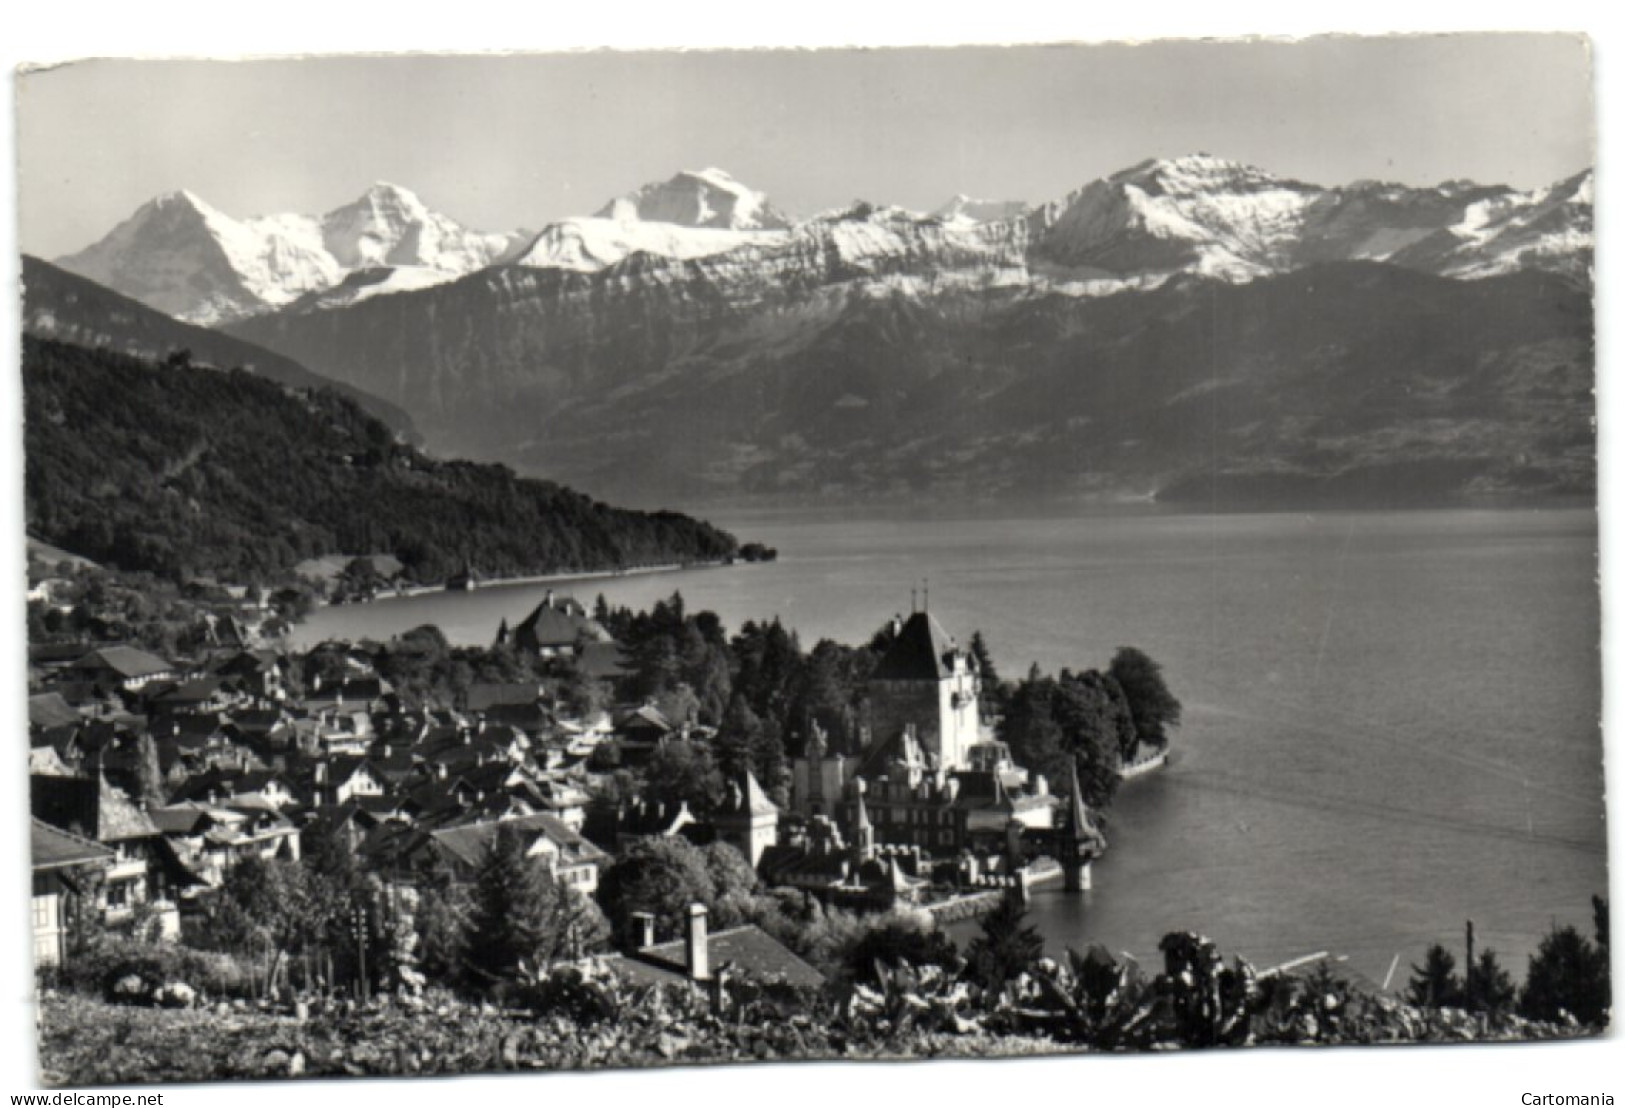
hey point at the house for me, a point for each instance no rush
(258, 788)
(643, 819)
(50, 710)
(705, 958)
(558, 797)
(344, 730)
(365, 693)
(210, 695)
(261, 673)
(640, 731)
(60, 862)
(557, 627)
(341, 778)
(519, 703)
(121, 667)
(141, 872)
(571, 859)
(210, 838)
(352, 821)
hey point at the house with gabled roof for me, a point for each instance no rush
(708, 959)
(122, 667)
(141, 871)
(569, 858)
(210, 838)
(61, 860)
(335, 780)
(557, 627)
(265, 788)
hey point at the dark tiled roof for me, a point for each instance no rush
(648, 717)
(469, 843)
(919, 654)
(748, 952)
(483, 695)
(126, 661)
(51, 710)
(551, 625)
(747, 798)
(55, 849)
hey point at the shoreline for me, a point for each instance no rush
(407, 593)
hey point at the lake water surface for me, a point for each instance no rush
(1391, 719)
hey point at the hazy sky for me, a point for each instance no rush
(505, 141)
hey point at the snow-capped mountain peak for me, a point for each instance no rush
(698, 198)
(1195, 215)
(183, 256)
(978, 210)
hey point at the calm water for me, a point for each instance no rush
(1391, 720)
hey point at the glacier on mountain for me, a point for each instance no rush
(183, 256)
(1134, 229)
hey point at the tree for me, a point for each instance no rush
(1434, 984)
(734, 884)
(737, 738)
(683, 772)
(1153, 707)
(1006, 946)
(149, 774)
(897, 940)
(984, 659)
(1568, 974)
(521, 916)
(662, 876)
(1489, 988)
(442, 919)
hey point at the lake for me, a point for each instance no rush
(1391, 720)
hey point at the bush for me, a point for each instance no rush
(100, 968)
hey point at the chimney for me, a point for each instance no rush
(645, 923)
(698, 946)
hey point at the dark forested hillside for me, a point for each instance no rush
(69, 308)
(182, 470)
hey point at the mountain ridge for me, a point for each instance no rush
(1139, 225)
(68, 308)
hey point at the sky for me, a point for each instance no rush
(500, 142)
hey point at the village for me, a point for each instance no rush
(153, 777)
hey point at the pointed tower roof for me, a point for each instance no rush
(895, 877)
(860, 820)
(755, 800)
(1075, 804)
(920, 653)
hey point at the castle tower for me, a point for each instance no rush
(1080, 841)
(863, 832)
(748, 819)
(926, 681)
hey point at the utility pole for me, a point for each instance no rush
(360, 916)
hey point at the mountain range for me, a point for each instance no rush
(1185, 328)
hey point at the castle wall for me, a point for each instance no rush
(894, 705)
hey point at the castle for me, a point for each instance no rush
(930, 779)
(924, 708)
